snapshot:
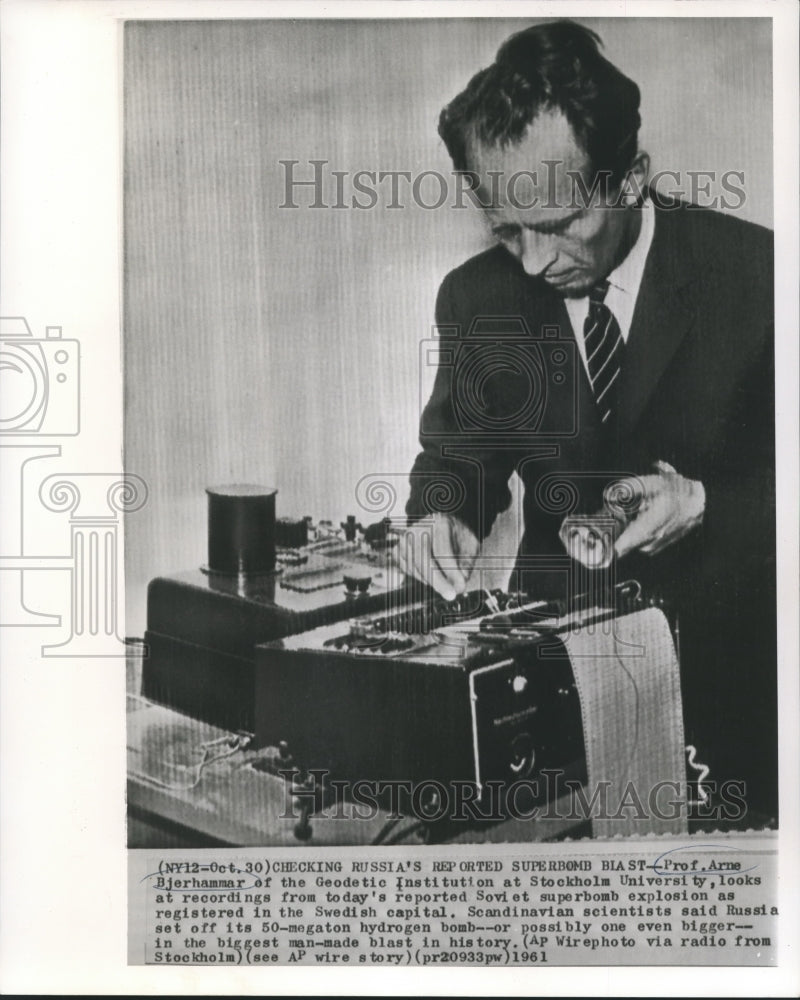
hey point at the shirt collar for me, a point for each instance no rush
(627, 276)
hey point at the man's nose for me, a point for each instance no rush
(539, 250)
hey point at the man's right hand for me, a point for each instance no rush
(440, 554)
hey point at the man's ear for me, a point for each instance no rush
(634, 185)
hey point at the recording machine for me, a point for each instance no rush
(306, 637)
(266, 577)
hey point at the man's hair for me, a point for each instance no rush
(549, 67)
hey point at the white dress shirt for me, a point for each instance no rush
(623, 282)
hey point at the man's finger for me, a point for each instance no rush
(441, 555)
(467, 546)
(639, 532)
(407, 557)
(656, 545)
(414, 558)
(672, 532)
(633, 495)
(444, 553)
(465, 540)
(397, 556)
(420, 564)
(466, 562)
(430, 571)
(665, 468)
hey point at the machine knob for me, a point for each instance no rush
(519, 683)
(523, 755)
(350, 526)
(291, 532)
(357, 584)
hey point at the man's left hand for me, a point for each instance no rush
(670, 507)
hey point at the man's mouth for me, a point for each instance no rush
(557, 280)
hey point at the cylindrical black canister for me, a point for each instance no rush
(241, 529)
(291, 532)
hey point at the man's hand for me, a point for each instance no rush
(670, 507)
(441, 554)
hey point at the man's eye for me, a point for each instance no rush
(558, 228)
(506, 233)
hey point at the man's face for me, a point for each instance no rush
(543, 220)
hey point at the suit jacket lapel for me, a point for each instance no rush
(664, 314)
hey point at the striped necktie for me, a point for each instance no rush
(604, 345)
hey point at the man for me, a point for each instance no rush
(614, 338)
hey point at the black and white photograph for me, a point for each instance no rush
(438, 580)
(382, 281)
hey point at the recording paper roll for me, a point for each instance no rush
(628, 681)
(589, 538)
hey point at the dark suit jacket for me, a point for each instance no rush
(696, 390)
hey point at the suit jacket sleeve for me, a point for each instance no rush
(738, 533)
(454, 473)
(739, 520)
(710, 408)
